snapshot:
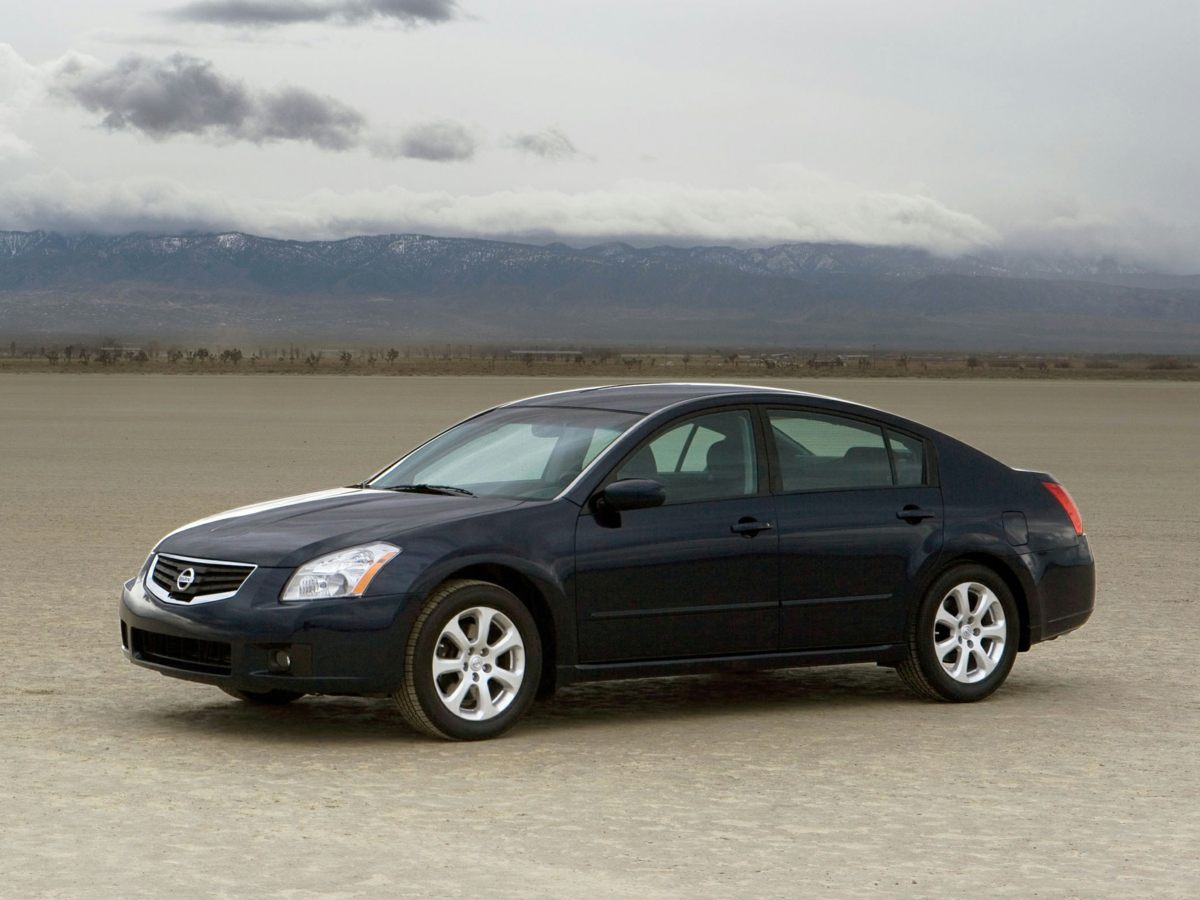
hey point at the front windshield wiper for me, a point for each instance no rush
(429, 489)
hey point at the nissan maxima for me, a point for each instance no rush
(619, 532)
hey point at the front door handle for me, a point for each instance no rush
(914, 514)
(749, 527)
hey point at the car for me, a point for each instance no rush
(619, 532)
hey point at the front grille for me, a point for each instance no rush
(208, 577)
(210, 657)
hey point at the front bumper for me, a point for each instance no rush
(351, 646)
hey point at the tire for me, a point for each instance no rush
(963, 640)
(486, 649)
(264, 698)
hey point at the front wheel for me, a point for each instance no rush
(472, 663)
(963, 640)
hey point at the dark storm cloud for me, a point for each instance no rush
(434, 141)
(186, 95)
(294, 114)
(162, 98)
(411, 12)
(548, 144)
(250, 12)
(270, 13)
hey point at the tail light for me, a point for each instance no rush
(1068, 505)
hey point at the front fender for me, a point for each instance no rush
(535, 543)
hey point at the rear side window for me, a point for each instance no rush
(821, 452)
(908, 457)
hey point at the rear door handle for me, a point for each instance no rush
(913, 514)
(749, 527)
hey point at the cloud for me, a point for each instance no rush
(435, 141)
(550, 143)
(633, 211)
(811, 208)
(184, 94)
(59, 202)
(273, 13)
(1131, 237)
(294, 114)
(20, 86)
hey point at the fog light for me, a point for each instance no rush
(280, 661)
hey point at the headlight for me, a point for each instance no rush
(343, 574)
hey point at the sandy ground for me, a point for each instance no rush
(1078, 778)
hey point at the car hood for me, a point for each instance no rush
(292, 530)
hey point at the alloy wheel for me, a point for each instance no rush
(478, 663)
(969, 632)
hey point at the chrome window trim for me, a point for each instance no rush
(159, 594)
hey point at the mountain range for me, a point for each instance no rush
(393, 289)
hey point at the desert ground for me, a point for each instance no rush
(1078, 778)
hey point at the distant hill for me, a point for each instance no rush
(399, 288)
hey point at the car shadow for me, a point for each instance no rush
(766, 693)
(600, 704)
(346, 720)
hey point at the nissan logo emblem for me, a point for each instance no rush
(185, 579)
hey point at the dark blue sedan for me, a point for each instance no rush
(619, 532)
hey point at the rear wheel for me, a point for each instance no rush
(472, 663)
(264, 698)
(963, 641)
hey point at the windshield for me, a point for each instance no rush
(527, 452)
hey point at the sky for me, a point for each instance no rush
(1066, 127)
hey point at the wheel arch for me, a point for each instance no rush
(532, 595)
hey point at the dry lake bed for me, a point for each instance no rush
(1079, 778)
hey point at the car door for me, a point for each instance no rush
(859, 516)
(696, 576)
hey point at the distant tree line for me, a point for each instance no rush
(111, 352)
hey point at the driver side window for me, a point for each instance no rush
(709, 457)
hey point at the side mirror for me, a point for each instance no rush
(631, 493)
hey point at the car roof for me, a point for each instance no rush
(649, 398)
